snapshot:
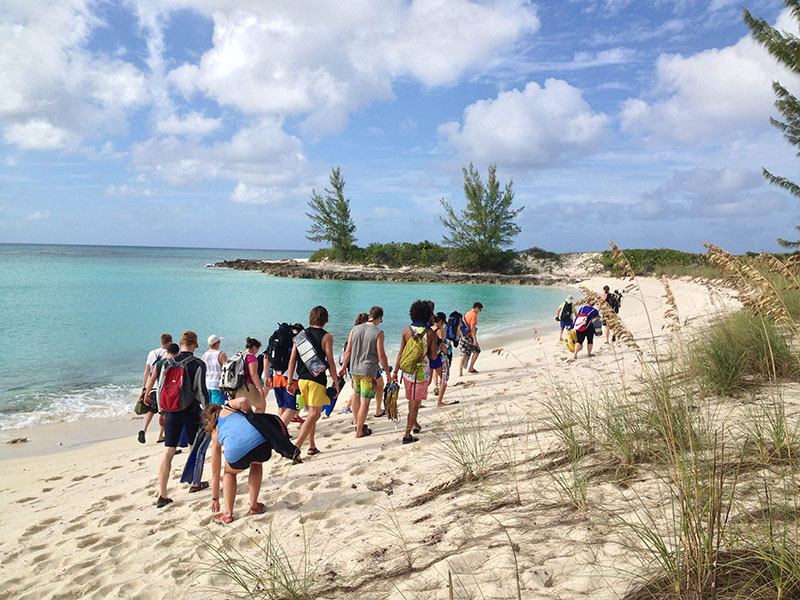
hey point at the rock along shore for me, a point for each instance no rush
(571, 268)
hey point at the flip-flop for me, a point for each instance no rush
(313, 451)
(347, 411)
(141, 437)
(448, 403)
(473, 371)
(162, 502)
(383, 412)
(258, 509)
(161, 441)
(223, 518)
(196, 488)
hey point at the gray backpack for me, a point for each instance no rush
(233, 374)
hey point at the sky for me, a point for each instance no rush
(208, 123)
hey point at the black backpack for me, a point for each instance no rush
(456, 327)
(566, 313)
(614, 300)
(279, 348)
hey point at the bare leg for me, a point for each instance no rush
(440, 401)
(589, 349)
(309, 427)
(229, 488)
(379, 387)
(254, 482)
(475, 356)
(577, 349)
(163, 471)
(288, 414)
(147, 418)
(361, 417)
(461, 365)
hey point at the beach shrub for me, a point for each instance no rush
(741, 348)
(541, 254)
(652, 261)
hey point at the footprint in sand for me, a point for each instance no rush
(112, 520)
(56, 478)
(25, 500)
(115, 467)
(76, 527)
(79, 478)
(314, 516)
(114, 497)
(47, 489)
(334, 482)
(293, 500)
(357, 470)
(88, 541)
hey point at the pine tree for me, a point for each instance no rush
(486, 225)
(785, 47)
(330, 217)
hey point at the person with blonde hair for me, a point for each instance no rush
(252, 389)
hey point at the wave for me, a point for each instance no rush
(38, 408)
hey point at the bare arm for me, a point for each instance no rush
(216, 467)
(150, 383)
(290, 383)
(146, 376)
(403, 339)
(433, 345)
(346, 357)
(327, 346)
(382, 358)
(252, 368)
(223, 358)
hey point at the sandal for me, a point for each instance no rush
(383, 412)
(162, 502)
(258, 509)
(223, 518)
(473, 371)
(313, 451)
(141, 437)
(410, 439)
(196, 488)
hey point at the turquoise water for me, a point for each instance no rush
(80, 320)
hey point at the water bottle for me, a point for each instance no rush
(308, 354)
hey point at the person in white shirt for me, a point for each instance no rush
(214, 360)
(152, 358)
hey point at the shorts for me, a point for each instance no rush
(259, 454)
(314, 394)
(252, 394)
(445, 368)
(587, 334)
(418, 391)
(362, 385)
(467, 346)
(565, 324)
(153, 406)
(436, 362)
(216, 397)
(284, 398)
(174, 422)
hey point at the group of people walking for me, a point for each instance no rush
(583, 323)
(220, 401)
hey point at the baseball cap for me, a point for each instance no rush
(213, 339)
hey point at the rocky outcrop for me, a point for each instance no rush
(337, 271)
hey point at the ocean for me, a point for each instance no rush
(80, 320)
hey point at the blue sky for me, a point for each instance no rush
(208, 123)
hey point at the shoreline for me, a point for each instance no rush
(542, 272)
(46, 439)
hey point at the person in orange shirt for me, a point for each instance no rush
(469, 346)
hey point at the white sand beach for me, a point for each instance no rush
(367, 518)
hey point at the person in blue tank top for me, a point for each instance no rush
(243, 447)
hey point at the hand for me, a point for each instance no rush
(342, 371)
(215, 506)
(291, 387)
(146, 400)
(268, 382)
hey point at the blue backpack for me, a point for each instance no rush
(456, 327)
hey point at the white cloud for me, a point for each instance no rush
(37, 215)
(258, 155)
(714, 193)
(256, 194)
(192, 124)
(324, 63)
(537, 126)
(127, 190)
(707, 96)
(55, 92)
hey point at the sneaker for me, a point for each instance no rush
(141, 437)
(298, 419)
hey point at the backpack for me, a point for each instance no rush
(279, 347)
(176, 391)
(456, 327)
(233, 374)
(566, 313)
(614, 300)
(414, 351)
(583, 320)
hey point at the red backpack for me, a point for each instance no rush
(175, 391)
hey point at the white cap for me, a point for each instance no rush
(213, 339)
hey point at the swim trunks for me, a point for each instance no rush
(362, 385)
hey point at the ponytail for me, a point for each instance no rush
(212, 414)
